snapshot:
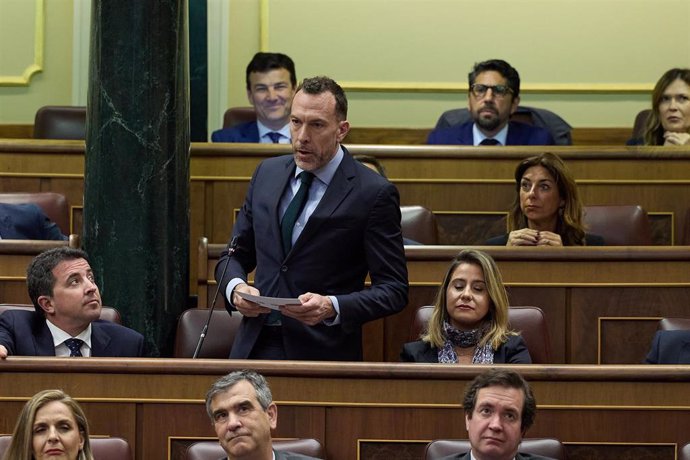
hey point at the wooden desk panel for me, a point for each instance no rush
(359, 408)
(602, 305)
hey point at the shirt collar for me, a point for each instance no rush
(326, 172)
(59, 336)
(263, 130)
(478, 136)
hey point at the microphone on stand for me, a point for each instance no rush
(232, 247)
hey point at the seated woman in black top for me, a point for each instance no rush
(469, 324)
(669, 121)
(547, 210)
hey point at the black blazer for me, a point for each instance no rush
(518, 456)
(502, 240)
(245, 132)
(25, 333)
(514, 351)
(670, 347)
(354, 231)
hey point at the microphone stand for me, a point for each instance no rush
(232, 247)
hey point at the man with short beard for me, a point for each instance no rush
(493, 96)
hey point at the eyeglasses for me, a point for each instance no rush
(499, 91)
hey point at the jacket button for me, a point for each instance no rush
(283, 268)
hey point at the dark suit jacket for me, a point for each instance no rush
(514, 351)
(281, 455)
(518, 134)
(25, 333)
(354, 230)
(245, 132)
(27, 222)
(670, 347)
(519, 456)
(502, 240)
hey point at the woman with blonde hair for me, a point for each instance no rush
(547, 210)
(469, 324)
(669, 120)
(51, 425)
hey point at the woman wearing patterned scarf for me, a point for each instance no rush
(469, 324)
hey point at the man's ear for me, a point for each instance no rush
(467, 422)
(46, 303)
(514, 104)
(272, 412)
(343, 129)
(249, 97)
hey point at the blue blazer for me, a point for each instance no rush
(354, 231)
(245, 132)
(514, 351)
(27, 222)
(25, 333)
(518, 134)
(670, 347)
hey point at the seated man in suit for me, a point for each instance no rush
(493, 96)
(499, 409)
(670, 347)
(27, 222)
(243, 414)
(66, 321)
(271, 83)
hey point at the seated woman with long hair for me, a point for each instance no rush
(469, 324)
(547, 210)
(51, 425)
(669, 121)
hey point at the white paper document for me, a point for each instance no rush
(270, 302)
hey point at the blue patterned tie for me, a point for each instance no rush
(74, 346)
(274, 136)
(489, 141)
(294, 209)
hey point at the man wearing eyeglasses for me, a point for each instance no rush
(493, 97)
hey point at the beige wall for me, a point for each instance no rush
(403, 62)
(51, 86)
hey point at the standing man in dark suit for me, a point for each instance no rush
(493, 96)
(499, 409)
(271, 83)
(670, 347)
(66, 321)
(243, 414)
(27, 221)
(314, 224)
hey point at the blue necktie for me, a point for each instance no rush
(489, 141)
(294, 209)
(274, 136)
(74, 346)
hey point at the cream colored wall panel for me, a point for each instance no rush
(21, 41)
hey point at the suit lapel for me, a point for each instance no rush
(100, 341)
(43, 339)
(340, 187)
(465, 136)
(275, 190)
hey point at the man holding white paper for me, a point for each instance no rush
(313, 225)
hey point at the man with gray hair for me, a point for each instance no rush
(243, 414)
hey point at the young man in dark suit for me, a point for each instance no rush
(66, 320)
(243, 414)
(320, 251)
(499, 409)
(271, 83)
(493, 96)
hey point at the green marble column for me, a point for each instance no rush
(136, 191)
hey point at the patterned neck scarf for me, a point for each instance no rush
(465, 339)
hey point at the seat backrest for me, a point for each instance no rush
(559, 128)
(219, 337)
(684, 452)
(419, 224)
(211, 450)
(529, 321)
(54, 205)
(674, 324)
(238, 115)
(107, 313)
(545, 447)
(103, 448)
(619, 225)
(60, 122)
(640, 123)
